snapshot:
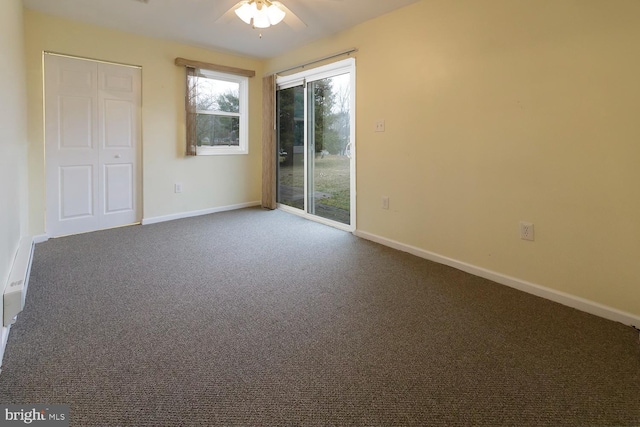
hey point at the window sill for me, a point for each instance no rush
(220, 151)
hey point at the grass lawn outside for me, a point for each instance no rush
(332, 186)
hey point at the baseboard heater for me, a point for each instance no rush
(15, 290)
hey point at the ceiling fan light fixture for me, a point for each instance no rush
(276, 15)
(261, 18)
(245, 12)
(260, 13)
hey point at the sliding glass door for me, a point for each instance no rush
(315, 132)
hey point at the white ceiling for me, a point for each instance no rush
(194, 21)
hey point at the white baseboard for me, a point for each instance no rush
(13, 298)
(3, 342)
(40, 238)
(157, 219)
(522, 285)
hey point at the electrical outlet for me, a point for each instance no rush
(380, 126)
(385, 202)
(526, 231)
(177, 187)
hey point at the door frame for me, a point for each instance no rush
(138, 177)
(302, 78)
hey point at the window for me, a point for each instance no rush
(217, 112)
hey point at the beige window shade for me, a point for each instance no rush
(190, 108)
(269, 157)
(214, 67)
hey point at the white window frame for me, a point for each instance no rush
(243, 114)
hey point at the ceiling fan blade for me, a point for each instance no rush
(229, 14)
(291, 19)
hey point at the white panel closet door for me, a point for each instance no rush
(92, 135)
(119, 106)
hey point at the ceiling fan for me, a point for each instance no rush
(263, 13)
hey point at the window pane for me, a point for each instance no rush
(329, 162)
(290, 115)
(217, 130)
(215, 95)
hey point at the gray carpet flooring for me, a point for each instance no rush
(261, 318)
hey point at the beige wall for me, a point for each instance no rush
(499, 111)
(13, 135)
(208, 181)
